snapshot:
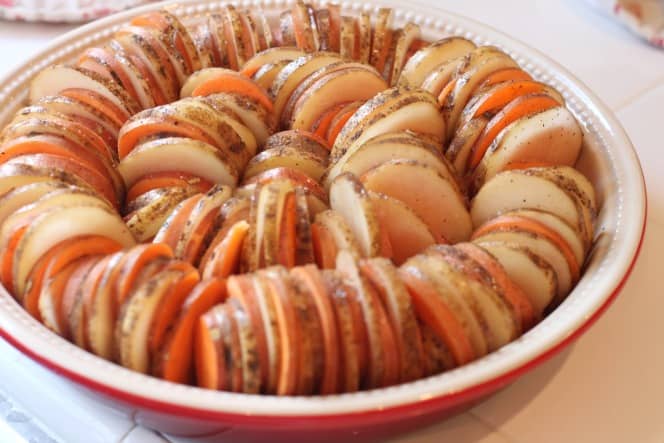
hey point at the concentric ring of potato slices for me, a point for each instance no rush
(315, 205)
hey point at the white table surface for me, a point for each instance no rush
(607, 387)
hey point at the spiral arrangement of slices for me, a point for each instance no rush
(323, 205)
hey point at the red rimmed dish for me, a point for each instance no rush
(607, 159)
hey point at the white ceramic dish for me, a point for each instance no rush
(608, 160)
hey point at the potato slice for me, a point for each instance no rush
(287, 157)
(266, 74)
(525, 189)
(139, 85)
(500, 325)
(299, 179)
(202, 221)
(292, 74)
(322, 17)
(53, 80)
(198, 78)
(251, 112)
(553, 137)
(407, 232)
(481, 62)
(304, 251)
(442, 75)
(488, 101)
(60, 197)
(178, 154)
(461, 146)
(23, 195)
(346, 84)
(528, 270)
(387, 147)
(395, 298)
(265, 38)
(372, 313)
(573, 180)
(270, 56)
(543, 248)
(101, 310)
(349, 35)
(268, 314)
(286, 30)
(404, 39)
(392, 110)
(349, 198)
(363, 42)
(145, 45)
(419, 66)
(76, 108)
(145, 221)
(248, 348)
(13, 175)
(60, 224)
(572, 236)
(381, 38)
(269, 211)
(306, 31)
(431, 196)
(341, 233)
(443, 309)
(136, 317)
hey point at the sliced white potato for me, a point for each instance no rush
(101, 312)
(16, 198)
(347, 38)
(253, 114)
(349, 198)
(540, 246)
(286, 156)
(442, 74)
(553, 136)
(53, 80)
(407, 232)
(178, 154)
(211, 202)
(136, 316)
(392, 110)
(58, 225)
(572, 236)
(431, 196)
(345, 85)
(269, 211)
(529, 271)
(343, 237)
(405, 38)
(455, 298)
(13, 175)
(523, 189)
(426, 59)
(271, 56)
(144, 95)
(391, 146)
(363, 32)
(499, 325)
(145, 222)
(482, 62)
(266, 75)
(293, 73)
(461, 146)
(68, 106)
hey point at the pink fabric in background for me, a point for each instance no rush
(643, 17)
(62, 10)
